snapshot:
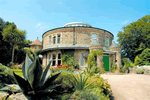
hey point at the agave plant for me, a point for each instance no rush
(36, 84)
(80, 82)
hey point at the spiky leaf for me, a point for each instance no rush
(24, 85)
(34, 74)
(49, 81)
(45, 74)
(25, 66)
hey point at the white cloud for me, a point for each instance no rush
(38, 25)
(125, 22)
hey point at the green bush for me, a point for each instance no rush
(100, 70)
(65, 79)
(113, 67)
(128, 63)
(140, 71)
(143, 58)
(123, 69)
(90, 70)
(68, 58)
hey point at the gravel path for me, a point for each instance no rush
(130, 86)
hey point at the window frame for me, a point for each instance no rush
(58, 38)
(94, 38)
(53, 60)
(82, 59)
(107, 41)
(50, 40)
(54, 39)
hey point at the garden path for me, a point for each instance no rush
(129, 86)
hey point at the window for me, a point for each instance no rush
(54, 39)
(49, 57)
(37, 47)
(58, 39)
(53, 59)
(49, 40)
(94, 37)
(59, 59)
(82, 60)
(107, 41)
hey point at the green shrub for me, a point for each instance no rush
(146, 71)
(113, 67)
(80, 82)
(128, 63)
(140, 71)
(68, 58)
(143, 58)
(90, 71)
(123, 69)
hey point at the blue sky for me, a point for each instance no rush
(38, 16)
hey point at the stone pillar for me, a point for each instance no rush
(100, 61)
(110, 60)
(118, 58)
(44, 60)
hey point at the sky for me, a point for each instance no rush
(39, 16)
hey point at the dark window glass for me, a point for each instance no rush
(58, 39)
(54, 39)
(54, 60)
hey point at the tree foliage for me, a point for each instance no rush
(13, 35)
(135, 37)
(143, 58)
(6, 50)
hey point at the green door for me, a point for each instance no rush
(106, 62)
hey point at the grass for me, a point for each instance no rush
(18, 72)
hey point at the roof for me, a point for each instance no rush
(36, 42)
(73, 24)
(113, 44)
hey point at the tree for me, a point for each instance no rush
(13, 35)
(144, 58)
(135, 37)
(4, 46)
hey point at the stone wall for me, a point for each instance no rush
(34, 47)
(83, 35)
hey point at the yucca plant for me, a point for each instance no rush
(80, 82)
(36, 84)
(90, 70)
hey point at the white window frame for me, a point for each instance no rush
(50, 40)
(81, 54)
(94, 38)
(59, 59)
(54, 39)
(58, 38)
(53, 59)
(107, 41)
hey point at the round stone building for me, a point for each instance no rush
(80, 38)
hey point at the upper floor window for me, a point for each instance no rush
(94, 37)
(54, 39)
(49, 40)
(58, 39)
(107, 41)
